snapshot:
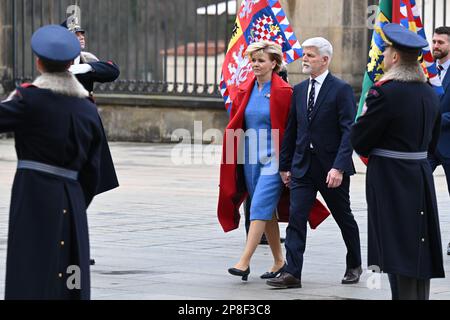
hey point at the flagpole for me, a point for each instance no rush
(396, 11)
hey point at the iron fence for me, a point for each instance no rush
(171, 47)
(435, 13)
(162, 47)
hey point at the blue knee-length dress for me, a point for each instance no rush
(261, 166)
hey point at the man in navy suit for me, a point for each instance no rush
(316, 155)
(441, 52)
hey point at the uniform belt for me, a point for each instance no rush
(42, 167)
(400, 155)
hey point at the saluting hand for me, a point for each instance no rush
(80, 68)
(334, 179)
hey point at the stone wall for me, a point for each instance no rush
(343, 23)
(158, 118)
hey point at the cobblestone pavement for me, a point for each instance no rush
(157, 236)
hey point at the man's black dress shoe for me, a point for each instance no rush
(285, 281)
(448, 249)
(240, 273)
(352, 275)
(271, 275)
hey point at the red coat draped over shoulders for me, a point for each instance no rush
(232, 188)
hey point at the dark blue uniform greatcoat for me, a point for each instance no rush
(404, 234)
(48, 230)
(103, 71)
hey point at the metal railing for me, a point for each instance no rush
(173, 47)
(434, 13)
(162, 47)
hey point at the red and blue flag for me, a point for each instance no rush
(256, 20)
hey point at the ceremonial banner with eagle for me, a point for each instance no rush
(256, 20)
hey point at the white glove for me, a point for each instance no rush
(80, 68)
(10, 97)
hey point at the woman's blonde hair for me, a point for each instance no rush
(271, 48)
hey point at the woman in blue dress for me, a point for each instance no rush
(264, 119)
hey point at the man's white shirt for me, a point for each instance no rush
(319, 82)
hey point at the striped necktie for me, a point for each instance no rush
(440, 69)
(312, 98)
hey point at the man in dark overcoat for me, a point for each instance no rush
(58, 137)
(400, 127)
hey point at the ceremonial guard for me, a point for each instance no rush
(400, 127)
(59, 138)
(87, 67)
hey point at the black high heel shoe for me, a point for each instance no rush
(271, 275)
(240, 273)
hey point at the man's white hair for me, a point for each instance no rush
(323, 45)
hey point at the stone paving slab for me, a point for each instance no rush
(157, 236)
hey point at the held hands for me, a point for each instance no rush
(286, 178)
(334, 179)
(80, 68)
